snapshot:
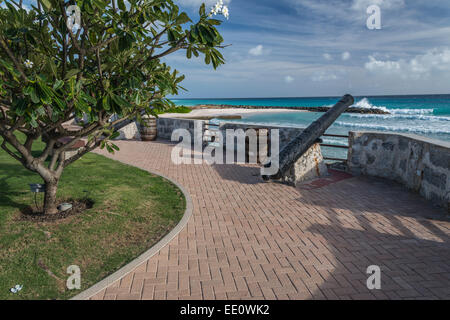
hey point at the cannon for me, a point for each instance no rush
(300, 144)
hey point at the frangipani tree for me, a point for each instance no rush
(98, 59)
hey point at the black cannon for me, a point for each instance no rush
(300, 144)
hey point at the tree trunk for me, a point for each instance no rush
(50, 204)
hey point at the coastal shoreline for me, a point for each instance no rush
(224, 113)
(279, 108)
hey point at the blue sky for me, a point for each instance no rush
(290, 48)
(295, 48)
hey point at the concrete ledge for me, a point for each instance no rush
(99, 286)
(420, 163)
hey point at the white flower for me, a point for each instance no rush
(225, 12)
(16, 288)
(220, 8)
(28, 64)
(217, 8)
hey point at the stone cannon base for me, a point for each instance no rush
(309, 166)
(130, 132)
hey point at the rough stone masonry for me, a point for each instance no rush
(421, 164)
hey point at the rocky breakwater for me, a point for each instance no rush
(310, 109)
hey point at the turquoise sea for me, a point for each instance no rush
(427, 115)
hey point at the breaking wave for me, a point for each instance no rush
(402, 128)
(399, 116)
(365, 104)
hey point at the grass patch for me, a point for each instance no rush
(178, 109)
(132, 210)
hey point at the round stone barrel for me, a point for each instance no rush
(148, 129)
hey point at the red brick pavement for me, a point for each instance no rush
(248, 239)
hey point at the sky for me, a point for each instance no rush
(296, 48)
(301, 48)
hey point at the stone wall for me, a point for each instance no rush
(421, 164)
(167, 125)
(287, 134)
(309, 166)
(129, 132)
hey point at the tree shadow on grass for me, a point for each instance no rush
(11, 188)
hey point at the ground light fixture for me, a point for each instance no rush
(37, 188)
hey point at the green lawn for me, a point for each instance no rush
(132, 210)
(176, 109)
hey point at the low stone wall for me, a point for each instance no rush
(286, 134)
(421, 164)
(166, 126)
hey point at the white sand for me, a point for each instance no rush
(223, 112)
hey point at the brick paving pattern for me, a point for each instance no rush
(248, 239)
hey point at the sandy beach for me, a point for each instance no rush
(208, 112)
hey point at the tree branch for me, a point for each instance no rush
(12, 154)
(13, 58)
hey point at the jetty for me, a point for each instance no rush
(309, 109)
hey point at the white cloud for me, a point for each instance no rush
(379, 65)
(324, 76)
(327, 56)
(256, 51)
(289, 79)
(384, 4)
(346, 55)
(435, 60)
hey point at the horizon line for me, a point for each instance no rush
(310, 97)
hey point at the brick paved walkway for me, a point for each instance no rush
(249, 239)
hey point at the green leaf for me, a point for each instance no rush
(33, 123)
(202, 10)
(110, 150)
(59, 103)
(31, 91)
(189, 53)
(20, 107)
(137, 99)
(52, 67)
(46, 3)
(106, 103)
(71, 73)
(45, 93)
(120, 101)
(182, 18)
(58, 85)
(214, 22)
(121, 5)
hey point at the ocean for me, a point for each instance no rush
(426, 115)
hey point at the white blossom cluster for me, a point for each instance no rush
(220, 8)
(28, 64)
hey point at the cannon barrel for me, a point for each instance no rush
(300, 144)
